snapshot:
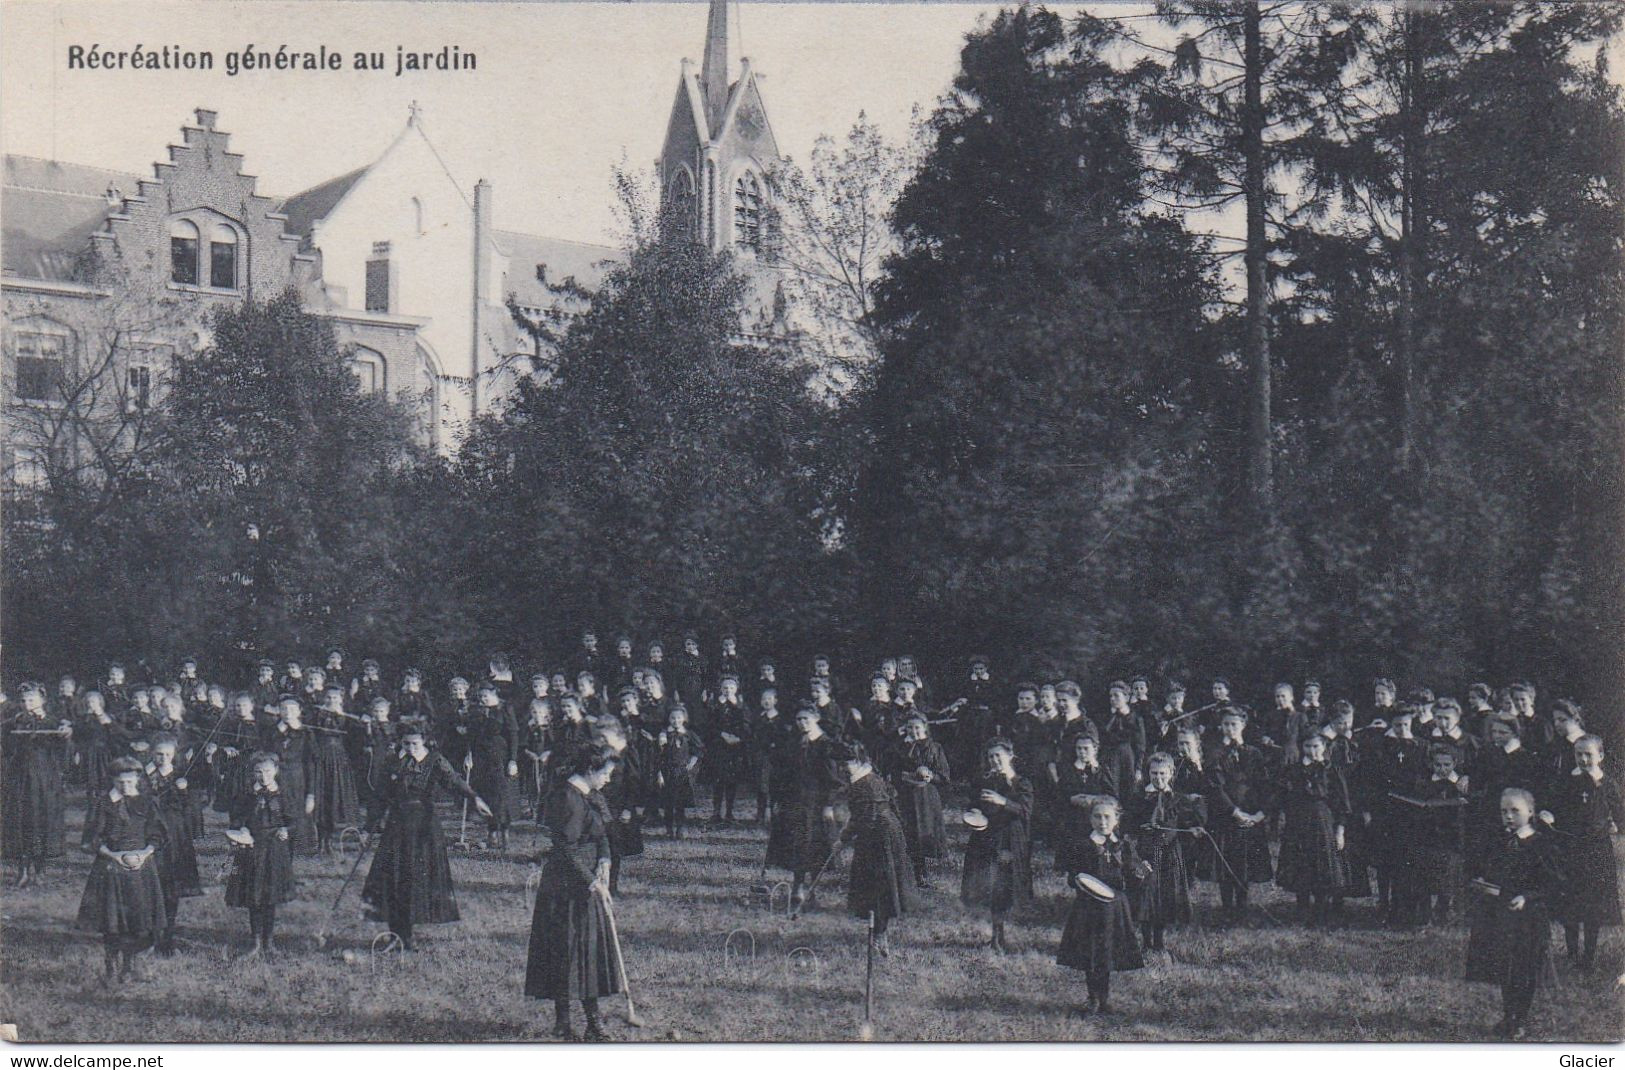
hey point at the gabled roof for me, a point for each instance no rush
(583, 261)
(51, 210)
(305, 209)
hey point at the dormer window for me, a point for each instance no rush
(748, 212)
(183, 247)
(203, 252)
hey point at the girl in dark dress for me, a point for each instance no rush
(123, 900)
(1099, 936)
(332, 777)
(998, 859)
(101, 738)
(680, 751)
(231, 749)
(882, 880)
(919, 773)
(493, 740)
(622, 795)
(570, 955)
(1511, 925)
(536, 744)
(1081, 783)
(295, 748)
(380, 750)
(1315, 802)
(1190, 779)
(1586, 804)
(803, 829)
(1238, 794)
(261, 876)
(409, 883)
(177, 862)
(1438, 834)
(1162, 820)
(31, 825)
(727, 748)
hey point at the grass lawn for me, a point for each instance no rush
(1269, 980)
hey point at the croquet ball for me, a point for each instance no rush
(349, 956)
(866, 1032)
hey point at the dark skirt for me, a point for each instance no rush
(31, 824)
(625, 837)
(332, 781)
(1165, 896)
(491, 782)
(799, 839)
(301, 828)
(570, 955)
(882, 877)
(119, 902)
(177, 858)
(261, 875)
(1591, 890)
(727, 763)
(410, 876)
(1503, 943)
(920, 806)
(1310, 860)
(1243, 854)
(1100, 936)
(997, 877)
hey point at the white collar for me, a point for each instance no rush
(1597, 779)
(1101, 841)
(1513, 744)
(1525, 832)
(580, 785)
(1453, 777)
(1076, 764)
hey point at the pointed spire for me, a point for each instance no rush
(714, 71)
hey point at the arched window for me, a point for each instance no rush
(680, 201)
(748, 212)
(369, 370)
(183, 250)
(223, 257)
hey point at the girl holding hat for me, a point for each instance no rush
(998, 859)
(1099, 936)
(123, 898)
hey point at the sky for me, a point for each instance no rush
(562, 93)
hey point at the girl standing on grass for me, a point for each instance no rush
(177, 870)
(1315, 801)
(679, 752)
(123, 898)
(920, 772)
(1588, 807)
(998, 859)
(1099, 936)
(262, 858)
(1511, 926)
(31, 823)
(882, 880)
(570, 955)
(332, 776)
(806, 767)
(1155, 814)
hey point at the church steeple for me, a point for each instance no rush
(714, 69)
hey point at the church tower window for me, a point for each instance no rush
(748, 212)
(681, 202)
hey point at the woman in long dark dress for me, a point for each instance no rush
(101, 738)
(177, 868)
(332, 774)
(1587, 806)
(1508, 944)
(998, 859)
(123, 899)
(409, 883)
(31, 825)
(919, 773)
(229, 753)
(261, 877)
(1315, 801)
(680, 751)
(570, 955)
(1099, 936)
(882, 879)
(1238, 794)
(803, 829)
(493, 741)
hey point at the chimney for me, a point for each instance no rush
(714, 71)
(482, 286)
